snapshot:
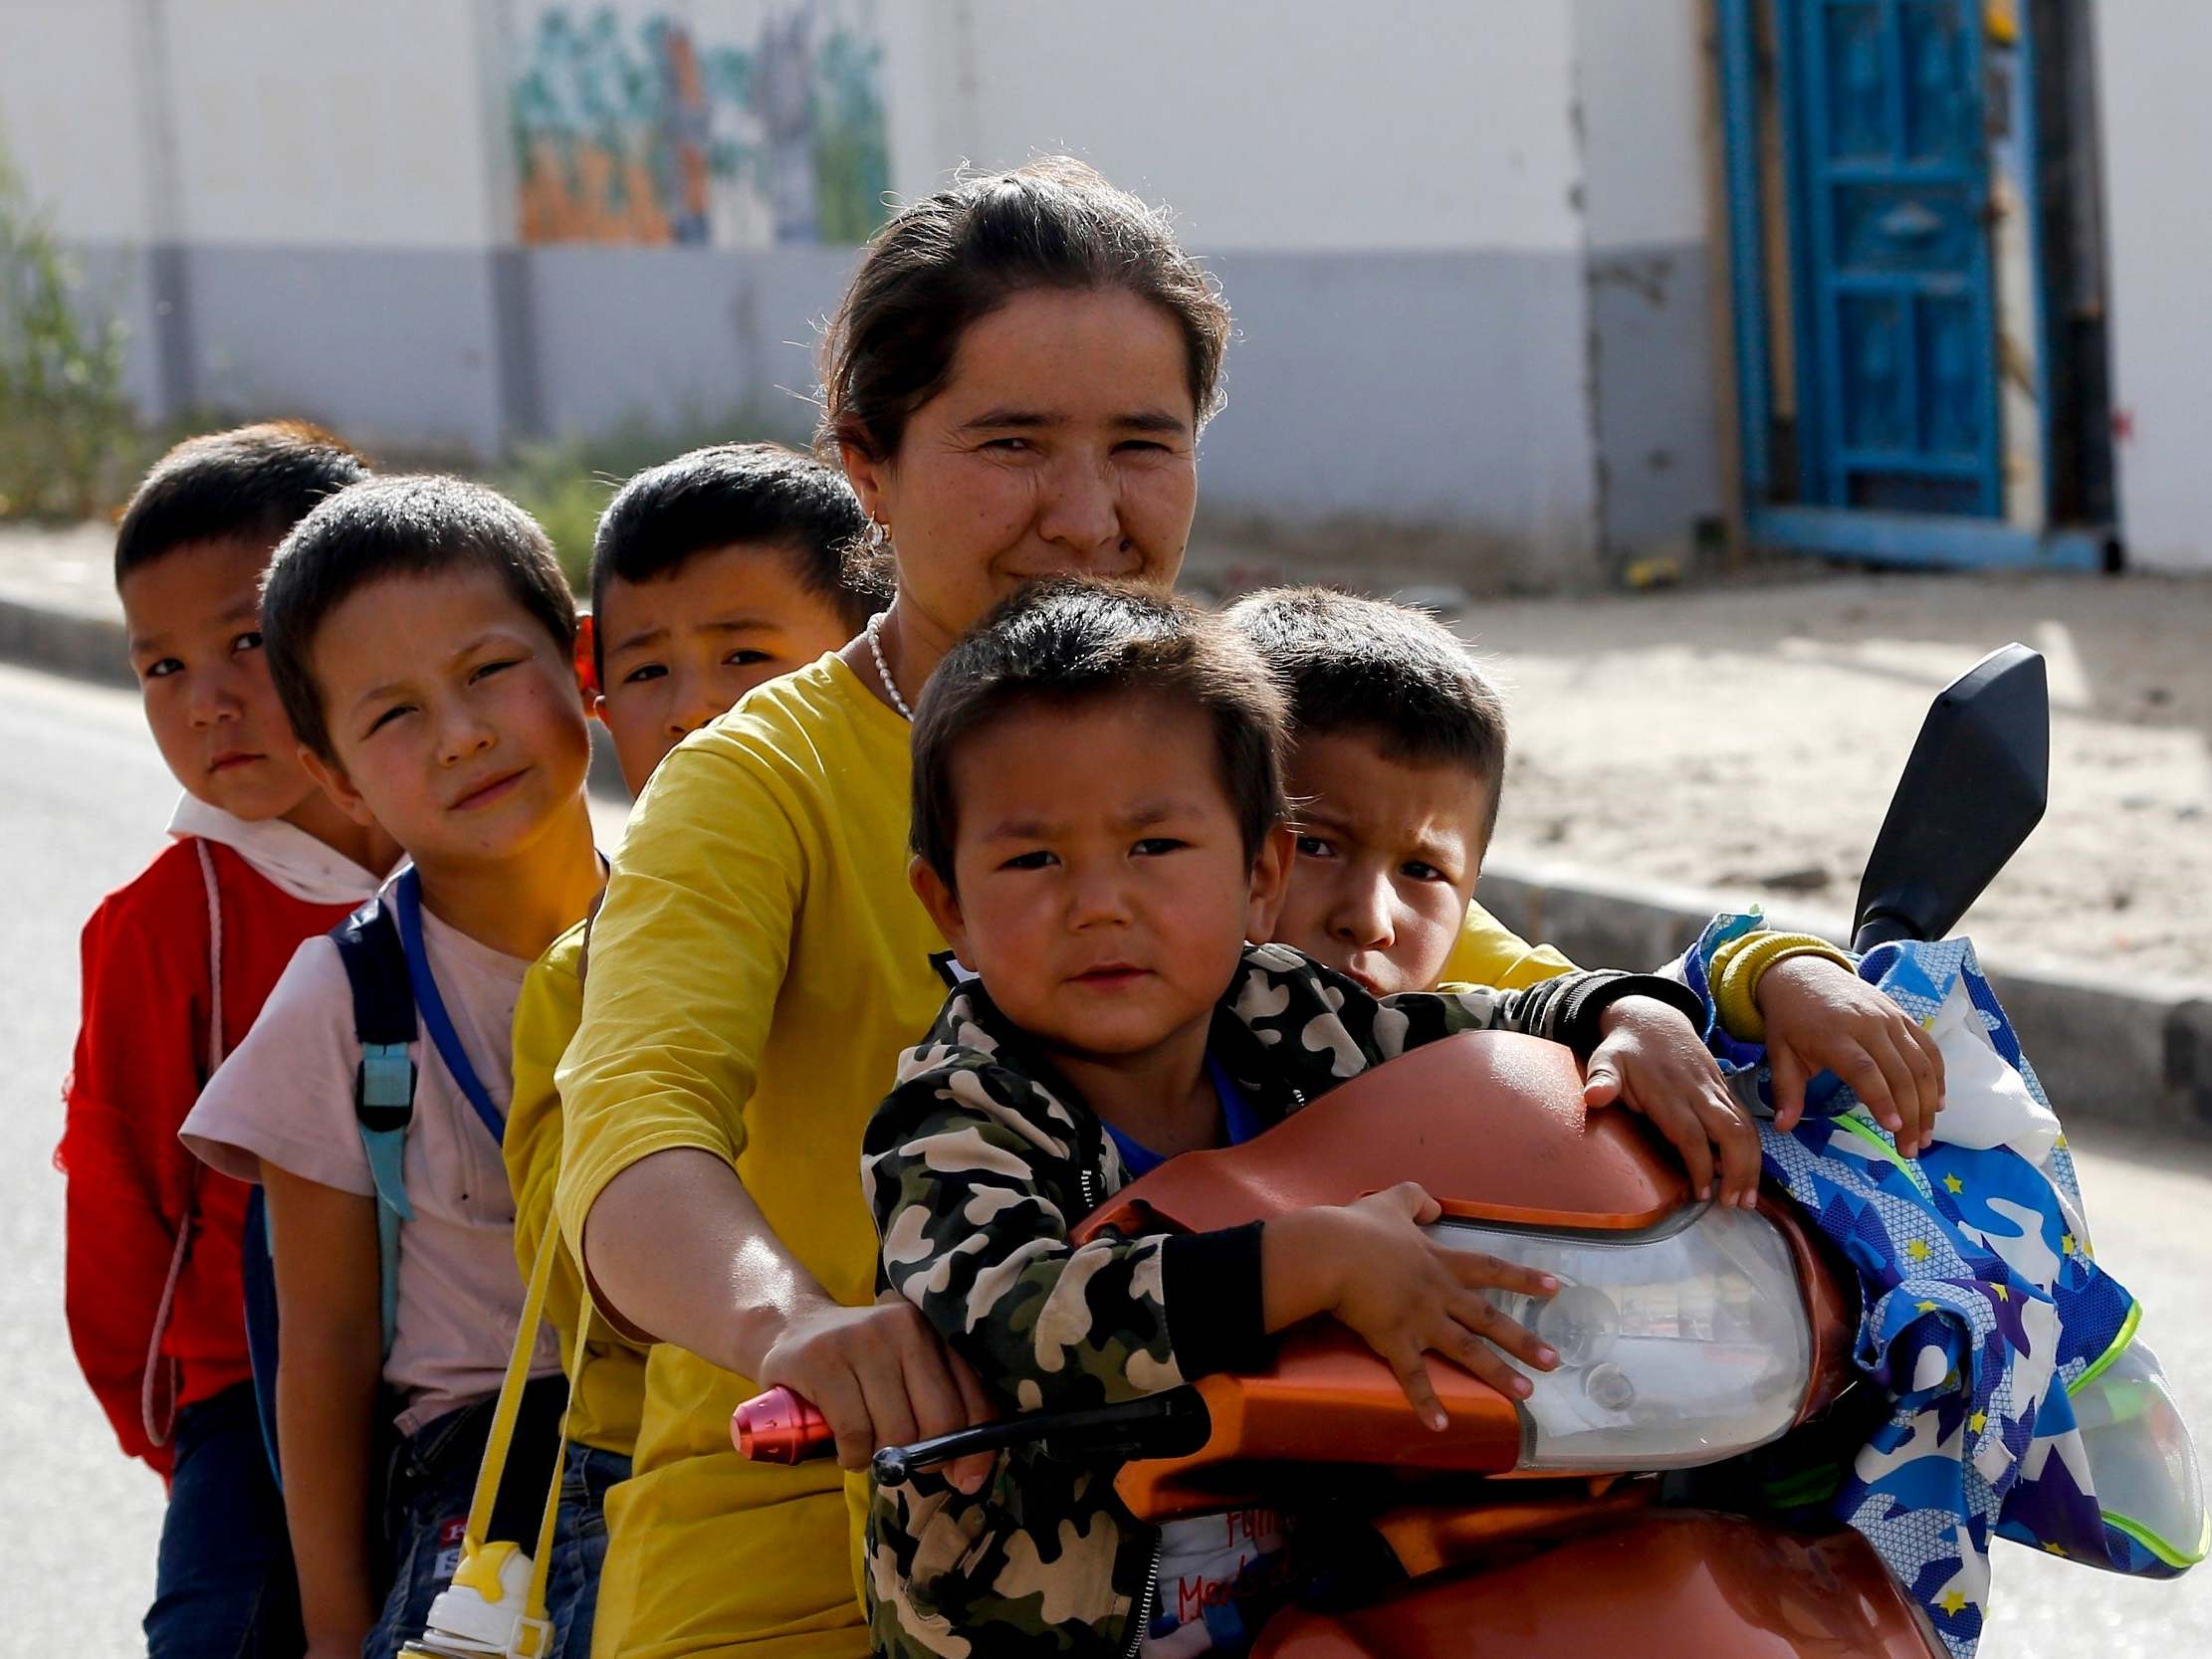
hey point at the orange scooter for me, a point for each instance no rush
(1689, 1333)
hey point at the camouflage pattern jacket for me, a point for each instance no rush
(979, 1164)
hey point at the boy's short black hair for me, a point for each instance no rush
(396, 526)
(253, 482)
(729, 493)
(1393, 673)
(1063, 642)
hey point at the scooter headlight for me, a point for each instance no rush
(1677, 1347)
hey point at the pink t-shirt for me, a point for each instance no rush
(286, 1096)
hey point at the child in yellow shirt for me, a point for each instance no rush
(1395, 775)
(710, 575)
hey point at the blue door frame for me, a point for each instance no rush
(1898, 440)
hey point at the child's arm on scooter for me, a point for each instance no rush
(324, 1245)
(976, 1174)
(1802, 997)
(1654, 1062)
(1369, 1266)
(971, 1210)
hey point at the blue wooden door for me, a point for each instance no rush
(1895, 322)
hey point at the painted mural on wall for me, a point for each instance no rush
(728, 124)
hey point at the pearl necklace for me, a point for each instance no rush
(883, 670)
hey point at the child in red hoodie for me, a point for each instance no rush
(176, 964)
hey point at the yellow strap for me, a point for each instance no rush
(498, 1443)
(482, 1558)
(541, 1567)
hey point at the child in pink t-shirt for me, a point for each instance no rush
(422, 638)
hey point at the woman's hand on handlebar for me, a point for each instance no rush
(1821, 1017)
(880, 1377)
(1369, 1265)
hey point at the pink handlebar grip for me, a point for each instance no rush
(779, 1427)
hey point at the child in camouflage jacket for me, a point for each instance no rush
(1071, 850)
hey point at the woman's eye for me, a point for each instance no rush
(644, 672)
(1152, 846)
(1312, 846)
(1039, 860)
(745, 658)
(1009, 446)
(248, 640)
(161, 669)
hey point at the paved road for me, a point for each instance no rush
(81, 809)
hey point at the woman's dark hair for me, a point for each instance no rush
(955, 257)
(253, 482)
(712, 497)
(1064, 643)
(397, 526)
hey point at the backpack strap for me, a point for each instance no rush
(258, 1279)
(375, 961)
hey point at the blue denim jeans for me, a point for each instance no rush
(426, 1504)
(580, 1547)
(223, 1586)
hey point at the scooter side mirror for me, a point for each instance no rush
(1973, 790)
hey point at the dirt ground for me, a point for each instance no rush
(1745, 740)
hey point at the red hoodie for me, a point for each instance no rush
(143, 1054)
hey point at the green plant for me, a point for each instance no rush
(69, 441)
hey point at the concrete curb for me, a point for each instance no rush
(2126, 1048)
(67, 642)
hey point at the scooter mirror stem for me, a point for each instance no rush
(1883, 928)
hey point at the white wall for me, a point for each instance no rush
(1407, 200)
(330, 125)
(1639, 79)
(1309, 126)
(70, 110)
(2152, 57)
(246, 123)
(1305, 125)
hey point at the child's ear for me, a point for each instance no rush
(1270, 882)
(587, 671)
(335, 784)
(942, 903)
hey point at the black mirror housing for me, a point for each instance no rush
(1974, 788)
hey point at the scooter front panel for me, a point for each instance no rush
(1490, 1123)
(1680, 1586)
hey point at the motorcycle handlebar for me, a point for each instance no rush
(782, 1427)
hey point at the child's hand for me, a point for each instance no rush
(1369, 1264)
(1653, 1062)
(879, 1376)
(1821, 1017)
